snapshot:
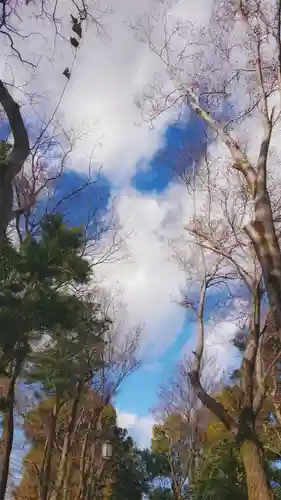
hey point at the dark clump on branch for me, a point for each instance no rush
(74, 42)
(76, 26)
(66, 73)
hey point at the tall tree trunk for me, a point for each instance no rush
(46, 472)
(176, 491)
(252, 454)
(8, 438)
(244, 431)
(254, 464)
(91, 486)
(14, 161)
(84, 469)
(263, 236)
(62, 469)
(94, 480)
(8, 429)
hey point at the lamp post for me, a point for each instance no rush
(106, 450)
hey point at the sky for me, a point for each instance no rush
(137, 179)
(138, 393)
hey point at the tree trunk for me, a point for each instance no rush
(244, 431)
(176, 491)
(83, 466)
(94, 480)
(46, 473)
(8, 429)
(8, 438)
(267, 249)
(60, 482)
(6, 201)
(13, 163)
(254, 464)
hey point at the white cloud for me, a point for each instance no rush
(221, 326)
(219, 345)
(150, 280)
(140, 428)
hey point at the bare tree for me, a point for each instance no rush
(182, 423)
(204, 73)
(229, 263)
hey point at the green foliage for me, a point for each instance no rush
(33, 280)
(157, 464)
(217, 471)
(131, 475)
(161, 441)
(108, 416)
(220, 475)
(177, 443)
(54, 257)
(161, 494)
(69, 356)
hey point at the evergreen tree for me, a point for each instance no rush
(36, 298)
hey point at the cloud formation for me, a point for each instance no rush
(140, 428)
(150, 279)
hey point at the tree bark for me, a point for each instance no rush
(176, 491)
(262, 231)
(250, 447)
(94, 479)
(46, 473)
(60, 482)
(13, 163)
(263, 236)
(8, 429)
(83, 466)
(254, 464)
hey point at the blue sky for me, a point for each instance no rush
(138, 180)
(155, 178)
(138, 393)
(182, 143)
